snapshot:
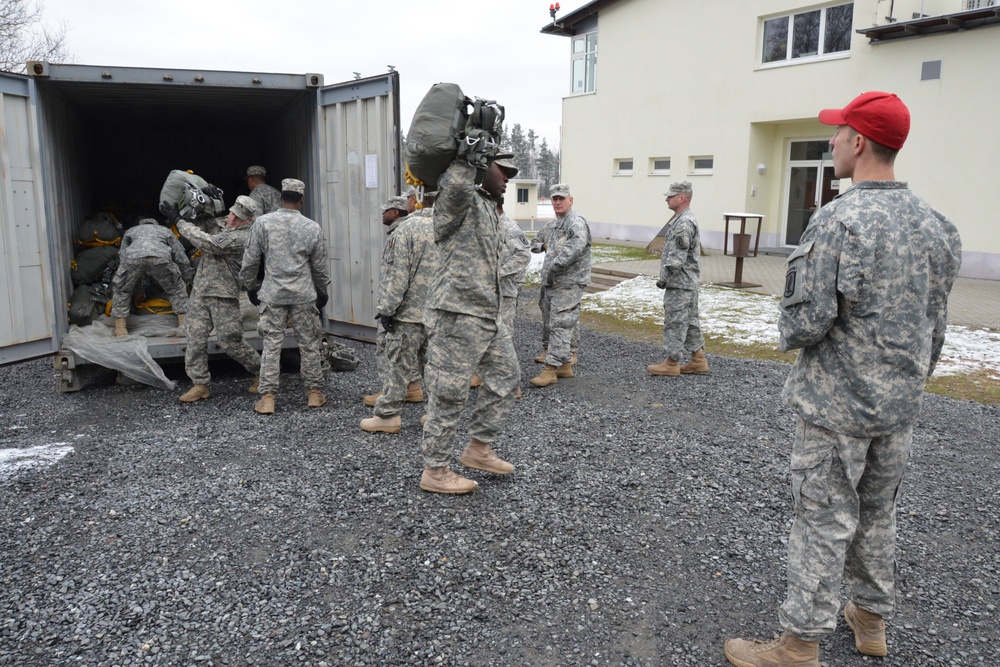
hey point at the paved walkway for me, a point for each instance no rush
(973, 302)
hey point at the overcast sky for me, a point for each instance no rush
(491, 49)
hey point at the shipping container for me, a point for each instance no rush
(77, 139)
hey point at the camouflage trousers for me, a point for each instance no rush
(131, 273)
(681, 328)
(574, 343)
(508, 310)
(204, 313)
(457, 346)
(845, 491)
(271, 326)
(560, 322)
(405, 353)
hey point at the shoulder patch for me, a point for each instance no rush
(222, 240)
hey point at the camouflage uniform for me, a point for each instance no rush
(462, 319)
(407, 270)
(513, 266)
(215, 298)
(538, 245)
(268, 199)
(296, 272)
(153, 250)
(565, 272)
(866, 301)
(680, 270)
(381, 360)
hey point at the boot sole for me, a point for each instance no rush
(382, 429)
(434, 489)
(662, 374)
(874, 649)
(192, 400)
(689, 372)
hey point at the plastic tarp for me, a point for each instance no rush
(127, 354)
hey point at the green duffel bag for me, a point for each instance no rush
(437, 128)
(90, 263)
(186, 191)
(81, 306)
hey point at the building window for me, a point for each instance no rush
(659, 166)
(623, 166)
(702, 164)
(812, 34)
(584, 62)
(522, 195)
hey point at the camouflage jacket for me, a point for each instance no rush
(680, 261)
(567, 253)
(469, 242)
(515, 257)
(408, 270)
(295, 260)
(866, 298)
(155, 241)
(268, 199)
(221, 255)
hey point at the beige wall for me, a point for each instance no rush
(675, 79)
(522, 212)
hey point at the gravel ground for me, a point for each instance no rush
(645, 524)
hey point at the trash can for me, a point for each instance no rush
(741, 245)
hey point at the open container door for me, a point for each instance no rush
(28, 319)
(359, 169)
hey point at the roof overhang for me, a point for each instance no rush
(566, 26)
(933, 25)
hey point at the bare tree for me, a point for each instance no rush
(24, 37)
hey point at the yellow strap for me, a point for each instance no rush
(107, 308)
(156, 306)
(413, 180)
(73, 265)
(98, 243)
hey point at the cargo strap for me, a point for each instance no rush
(98, 243)
(416, 182)
(156, 306)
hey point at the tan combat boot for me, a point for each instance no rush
(481, 456)
(121, 328)
(666, 367)
(443, 480)
(255, 385)
(414, 394)
(382, 424)
(316, 398)
(371, 398)
(785, 651)
(423, 420)
(518, 394)
(475, 381)
(565, 371)
(180, 321)
(195, 393)
(546, 377)
(869, 630)
(573, 360)
(265, 404)
(698, 363)
(540, 359)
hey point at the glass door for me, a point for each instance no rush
(810, 184)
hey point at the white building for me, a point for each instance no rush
(726, 94)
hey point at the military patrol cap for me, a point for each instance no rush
(293, 185)
(256, 170)
(395, 202)
(244, 208)
(680, 188)
(507, 167)
(559, 190)
(882, 117)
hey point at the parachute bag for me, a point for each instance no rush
(82, 310)
(341, 358)
(437, 129)
(89, 264)
(185, 190)
(101, 230)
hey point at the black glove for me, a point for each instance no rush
(212, 191)
(253, 297)
(550, 279)
(661, 283)
(321, 300)
(171, 212)
(388, 323)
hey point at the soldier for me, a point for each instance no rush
(464, 332)
(294, 288)
(565, 272)
(513, 262)
(268, 199)
(680, 273)
(866, 302)
(407, 268)
(215, 297)
(149, 249)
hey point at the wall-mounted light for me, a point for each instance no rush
(761, 168)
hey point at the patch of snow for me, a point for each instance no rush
(13, 460)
